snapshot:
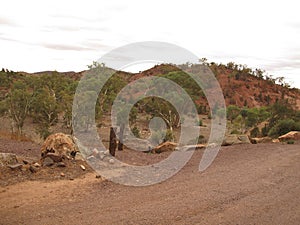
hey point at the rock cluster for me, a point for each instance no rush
(234, 139)
(59, 144)
(10, 160)
(57, 148)
(102, 155)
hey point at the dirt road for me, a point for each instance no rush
(246, 184)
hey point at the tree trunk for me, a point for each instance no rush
(112, 142)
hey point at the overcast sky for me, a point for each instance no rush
(69, 35)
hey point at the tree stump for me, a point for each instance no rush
(112, 142)
(121, 134)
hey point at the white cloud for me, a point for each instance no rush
(68, 35)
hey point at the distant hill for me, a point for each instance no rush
(45, 99)
(241, 86)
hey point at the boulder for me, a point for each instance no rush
(292, 135)
(55, 158)
(8, 159)
(59, 144)
(48, 161)
(165, 147)
(234, 139)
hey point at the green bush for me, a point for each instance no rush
(284, 126)
(235, 132)
(43, 132)
(158, 136)
(200, 123)
(254, 132)
(201, 139)
(264, 131)
(136, 132)
(169, 136)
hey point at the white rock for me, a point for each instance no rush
(79, 156)
(82, 167)
(15, 166)
(36, 164)
(95, 152)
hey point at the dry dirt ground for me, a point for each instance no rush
(246, 184)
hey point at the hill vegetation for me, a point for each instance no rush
(256, 102)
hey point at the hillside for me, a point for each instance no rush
(43, 101)
(240, 87)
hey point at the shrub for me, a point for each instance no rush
(254, 132)
(284, 126)
(200, 123)
(235, 132)
(201, 139)
(136, 132)
(161, 136)
(158, 137)
(264, 131)
(169, 136)
(43, 132)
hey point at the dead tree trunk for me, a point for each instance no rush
(112, 142)
(121, 134)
